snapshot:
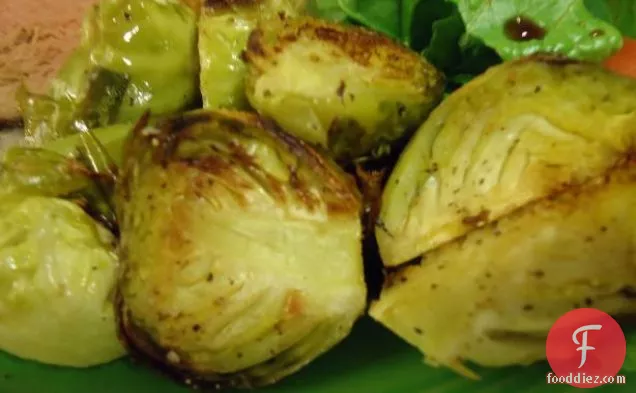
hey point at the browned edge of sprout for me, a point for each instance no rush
(227, 4)
(361, 45)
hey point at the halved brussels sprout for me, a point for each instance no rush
(492, 297)
(241, 250)
(224, 28)
(345, 88)
(513, 204)
(520, 132)
(57, 270)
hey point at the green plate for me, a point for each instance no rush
(371, 360)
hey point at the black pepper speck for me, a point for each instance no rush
(538, 273)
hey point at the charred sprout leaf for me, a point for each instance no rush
(505, 225)
(241, 250)
(351, 90)
(33, 171)
(58, 271)
(224, 28)
(510, 281)
(134, 56)
(39, 172)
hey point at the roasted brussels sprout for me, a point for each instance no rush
(224, 28)
(345, 88)
(520, 132)
(241, 250)
(57, 270)
(512, 204)
(135, 55)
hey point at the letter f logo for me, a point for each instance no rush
(583, 344)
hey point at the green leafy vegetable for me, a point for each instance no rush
(459, 55)
(327, 9)
(465, 37)
(565, 27)
(380, 15)
(620, 13)
(418, 21)
(433, 27)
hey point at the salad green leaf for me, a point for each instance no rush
(419, 18)
(516, 28)
(327, 9)
(620, 13)
(383, 16)
(459, 55)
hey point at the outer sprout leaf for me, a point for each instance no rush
(32, 171)
(111, 139)
(153, 42)
(39, 172)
